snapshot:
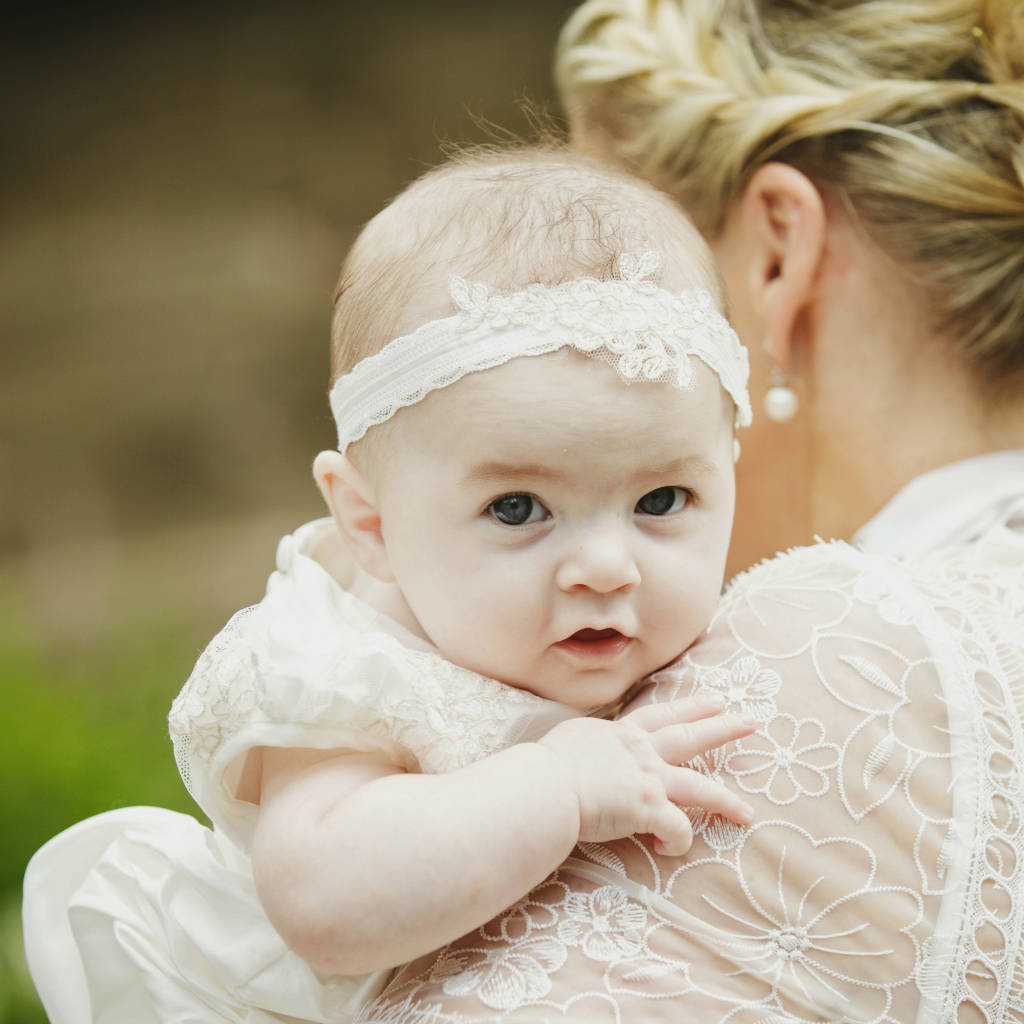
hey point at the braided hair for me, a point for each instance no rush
(909, 112)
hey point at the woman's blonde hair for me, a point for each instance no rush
(910, 111)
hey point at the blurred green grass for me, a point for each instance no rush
(86, 733)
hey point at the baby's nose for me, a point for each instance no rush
(602, 562)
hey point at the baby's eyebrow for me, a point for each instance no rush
(487, 472)
(495, 470)
(689, 464)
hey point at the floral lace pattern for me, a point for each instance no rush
(217, 699)
(312, 666)
(645, 332)
(882, 880)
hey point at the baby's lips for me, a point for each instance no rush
(593, 643)
(589, 635)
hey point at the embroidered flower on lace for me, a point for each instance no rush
(793, 933)
(605, 924)
(903, 735)
(644, 332)
(525, 917)
(507, 976)
(808, 585)
(747, 686)
(785, 760)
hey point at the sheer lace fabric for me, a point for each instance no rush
(882, 878)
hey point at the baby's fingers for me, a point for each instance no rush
(691, 789)
(678, 743)
(687, 709)
(672, 831)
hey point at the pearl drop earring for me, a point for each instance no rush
(780, 401)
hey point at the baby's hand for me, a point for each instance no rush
(628, 773)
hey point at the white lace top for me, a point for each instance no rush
(312, 666)
(883, 878)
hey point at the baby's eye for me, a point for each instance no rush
(517, 510)
(663, 500)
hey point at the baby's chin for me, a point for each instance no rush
(582, 692)
(588, 689)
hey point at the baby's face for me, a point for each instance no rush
(557, 529)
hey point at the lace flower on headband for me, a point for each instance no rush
(645, 332)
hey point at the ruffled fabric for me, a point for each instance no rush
(312, 666)
(143, 916)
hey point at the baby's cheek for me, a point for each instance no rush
(482, 633)
(683, 608)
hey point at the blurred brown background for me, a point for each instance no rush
(179, 185)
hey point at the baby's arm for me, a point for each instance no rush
(361, 866)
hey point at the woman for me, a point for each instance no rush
(859, 171)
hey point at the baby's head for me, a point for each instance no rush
(538, 472)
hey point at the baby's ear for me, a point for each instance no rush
(353, 505)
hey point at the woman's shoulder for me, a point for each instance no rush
(785, 603)
(823, 565)
(939, 596)
(995, 553)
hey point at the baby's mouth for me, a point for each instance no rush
(591, 635)
(595, 643)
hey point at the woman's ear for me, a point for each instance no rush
(780, 227)
(353, 506)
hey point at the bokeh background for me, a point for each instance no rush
(179, 184)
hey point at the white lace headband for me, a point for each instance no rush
(645, 332)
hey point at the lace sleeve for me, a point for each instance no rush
(878, 881)
(258, 684)
(294, 673)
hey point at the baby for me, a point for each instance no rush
(539, 484)
(535, 395)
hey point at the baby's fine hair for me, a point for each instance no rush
(909, 112)
(507, 217)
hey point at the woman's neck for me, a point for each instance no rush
(910, 408)
(887, 398)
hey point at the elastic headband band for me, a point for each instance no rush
(645, 332)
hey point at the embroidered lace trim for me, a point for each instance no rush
(645, 332)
